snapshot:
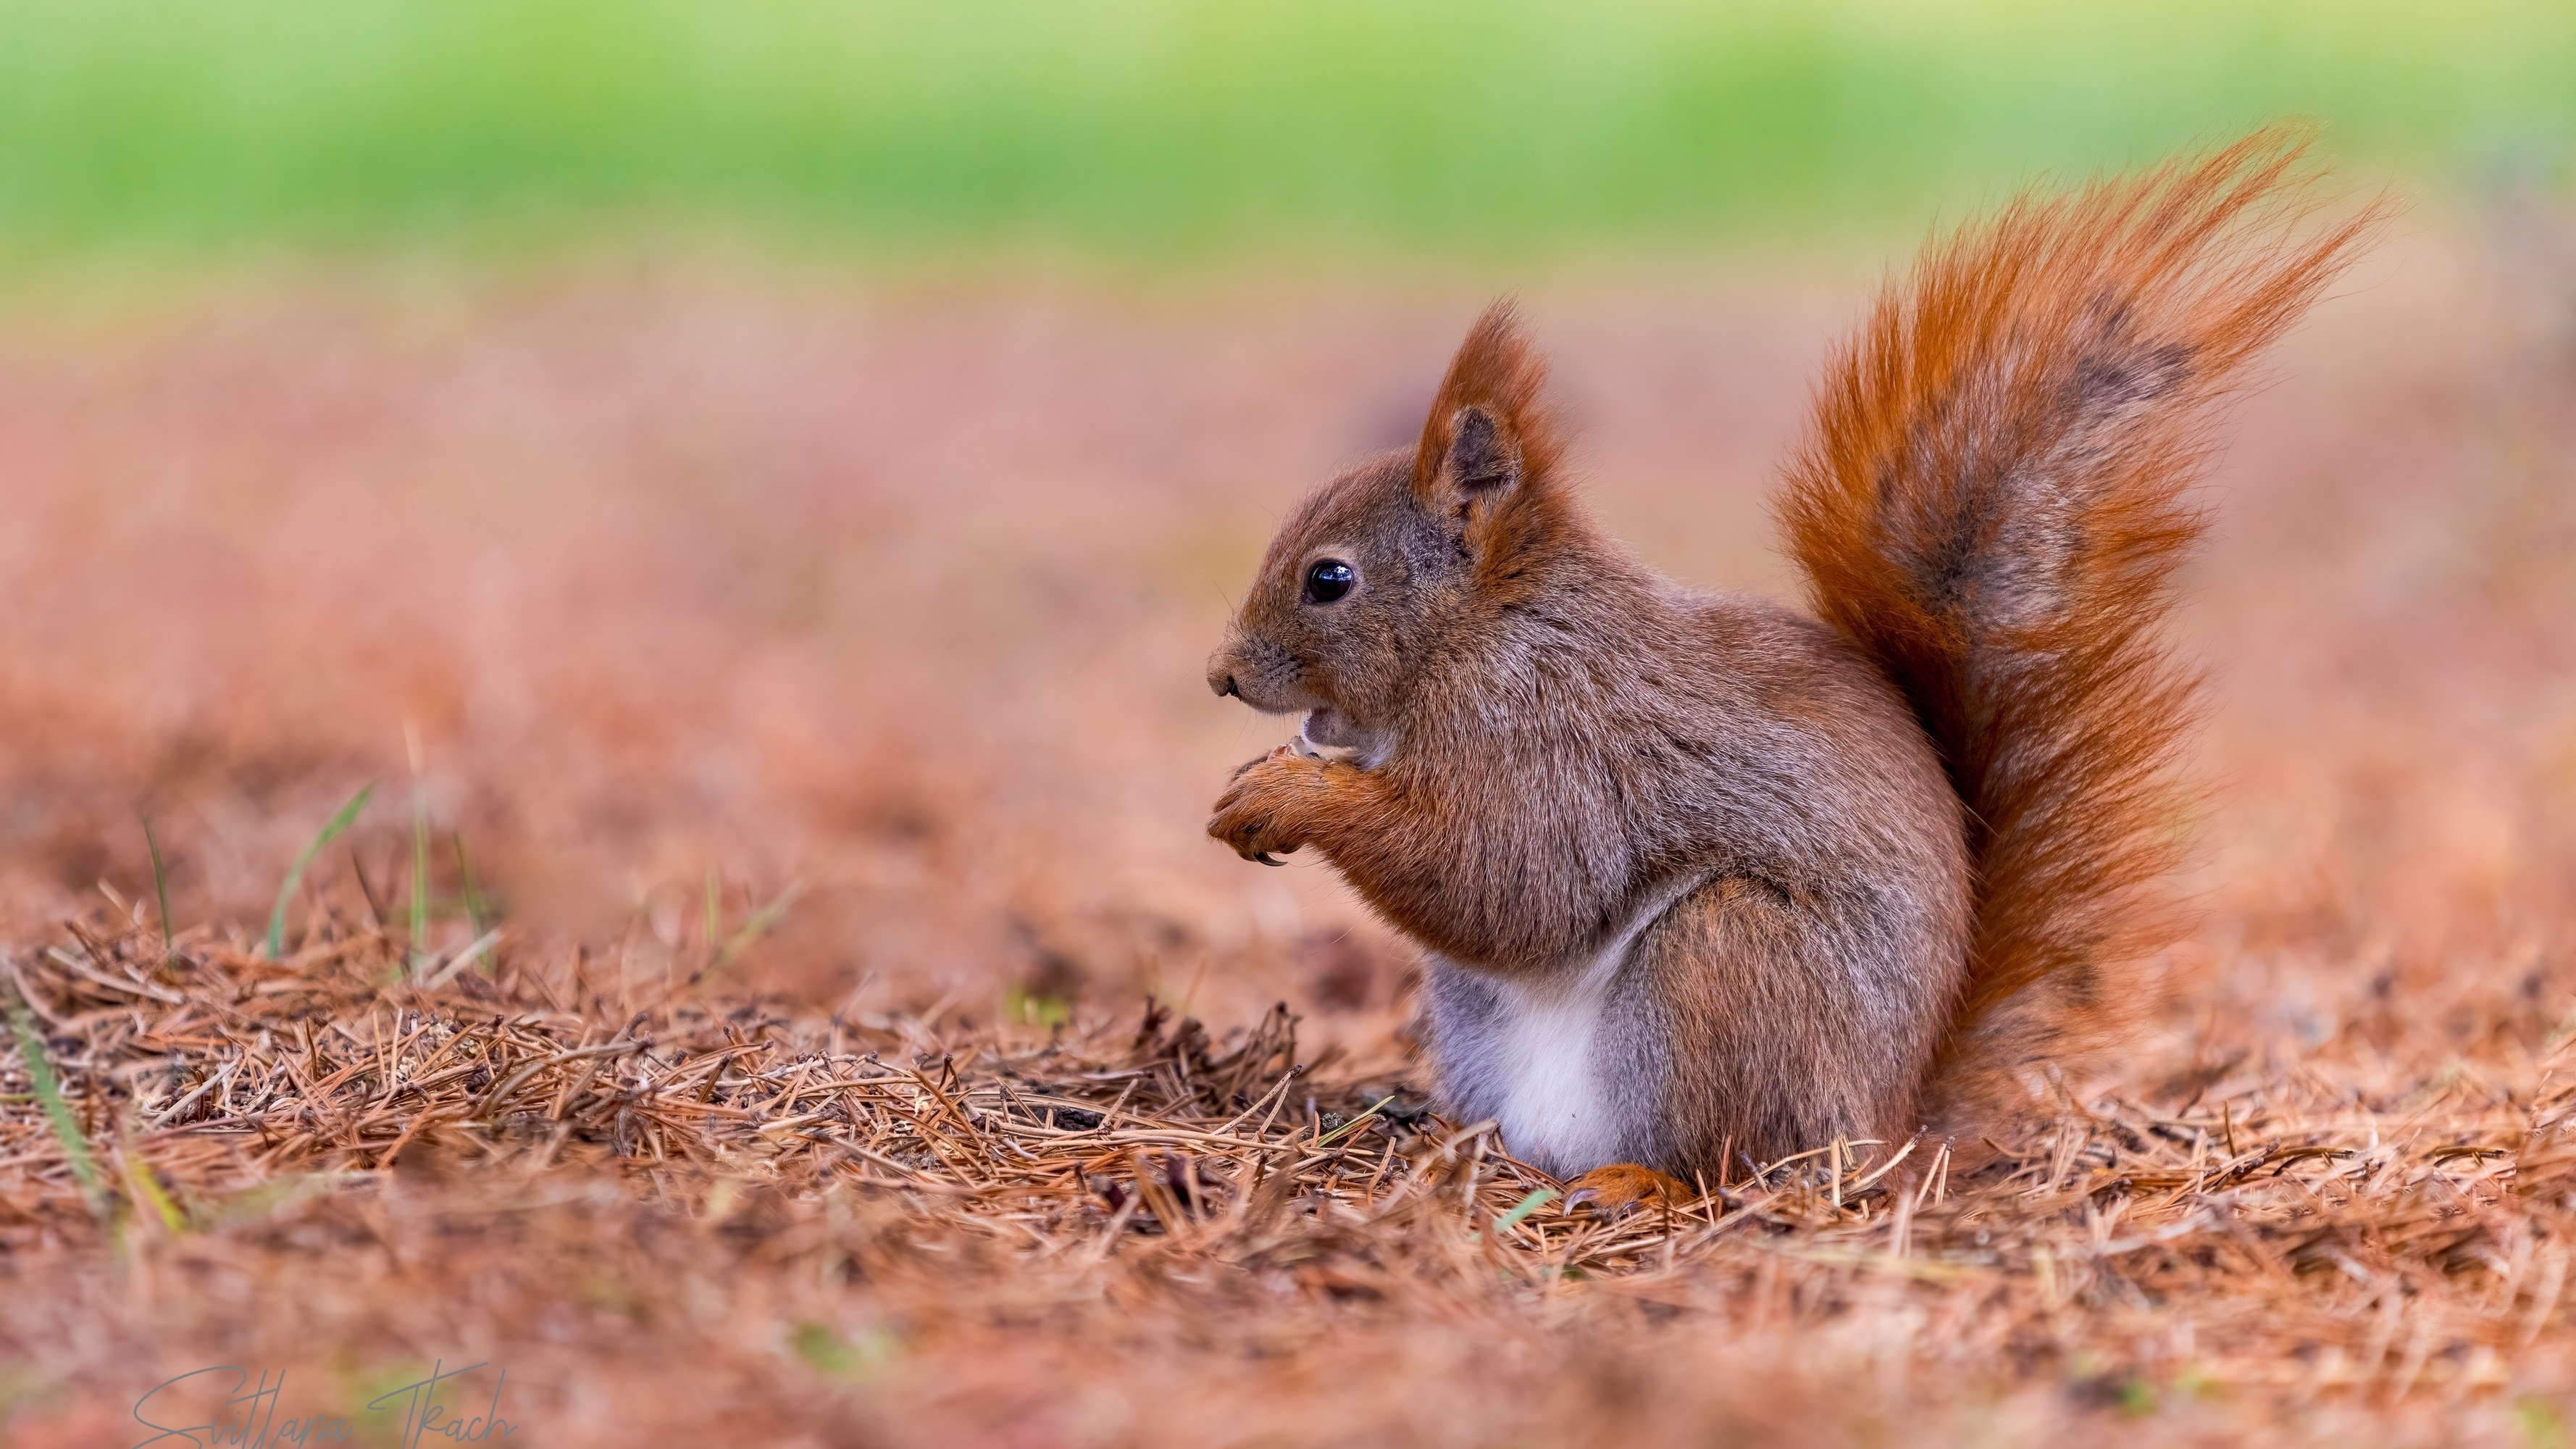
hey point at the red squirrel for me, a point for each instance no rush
(1701, 880)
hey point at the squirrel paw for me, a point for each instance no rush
(1624, 1185)
(1256, 814)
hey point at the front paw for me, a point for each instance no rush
(1261, 814)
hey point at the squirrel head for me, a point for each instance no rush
(1390, 564)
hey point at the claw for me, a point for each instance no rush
(1266, 858)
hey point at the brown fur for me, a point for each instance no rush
(1695, 871)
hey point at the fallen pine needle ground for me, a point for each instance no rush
(662, 1207)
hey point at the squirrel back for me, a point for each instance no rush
(1992, 506)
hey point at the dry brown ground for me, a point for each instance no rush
(692, 573)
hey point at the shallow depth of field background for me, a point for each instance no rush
(692, 456)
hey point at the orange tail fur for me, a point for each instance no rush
(1993, 504)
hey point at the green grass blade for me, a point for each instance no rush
(1538, 1198)
(476, 908)
(714, 908)
(147, 1186)
(295, 877)
(49, 1090)
(753, 929)
(419, 878)
(1357, 1122)
(160, 880)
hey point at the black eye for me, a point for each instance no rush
(1328, 579)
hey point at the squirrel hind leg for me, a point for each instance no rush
(1789, 1028)
(1622, 1186)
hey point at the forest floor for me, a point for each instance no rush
(776, 989)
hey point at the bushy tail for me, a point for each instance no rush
(1993, 505)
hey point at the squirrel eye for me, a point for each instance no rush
(1328, 580)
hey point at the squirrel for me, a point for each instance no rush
(1702, 880)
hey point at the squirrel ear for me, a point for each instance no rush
(1482, 458)
(1489, 438)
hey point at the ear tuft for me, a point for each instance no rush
(1489, 428)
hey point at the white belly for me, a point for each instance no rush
(1552, 1109)
(1532, 1054)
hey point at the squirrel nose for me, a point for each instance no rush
(1221, 672)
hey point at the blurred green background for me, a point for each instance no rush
(1157, 128)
